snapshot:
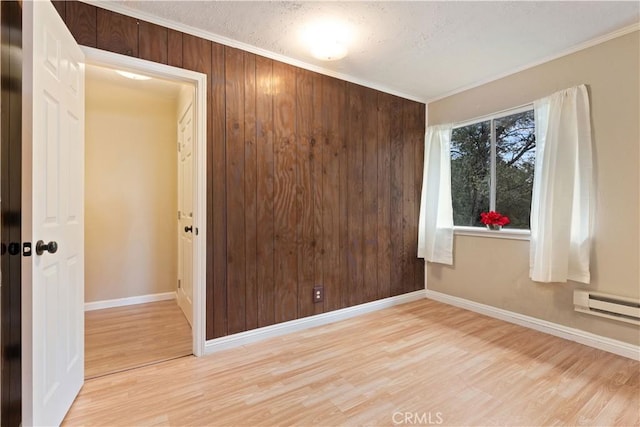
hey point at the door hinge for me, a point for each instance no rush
(179, 284)
(179, 215)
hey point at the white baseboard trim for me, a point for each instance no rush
(248, 337)
(587, 338)
(121, 302)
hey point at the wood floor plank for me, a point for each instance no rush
(425, 359)
(122, 338)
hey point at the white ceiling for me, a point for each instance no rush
(97, 75)
(421, 49)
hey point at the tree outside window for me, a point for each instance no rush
(492, 165)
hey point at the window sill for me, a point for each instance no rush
(505, 233)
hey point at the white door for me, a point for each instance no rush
(53, 174)
(185, 212)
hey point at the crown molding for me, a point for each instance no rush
(125, 10)
(577, 48)
(119, 8)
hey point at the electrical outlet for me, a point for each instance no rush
(318, 293)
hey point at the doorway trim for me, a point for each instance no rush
(199, 80)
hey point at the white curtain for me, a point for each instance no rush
(562, 201)
(435, 225)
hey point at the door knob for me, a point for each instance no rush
(42, 247)
(188, 229)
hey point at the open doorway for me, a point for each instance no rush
(198, 81)
(139, 139)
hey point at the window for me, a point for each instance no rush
(492, 163)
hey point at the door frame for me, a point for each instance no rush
(199, 80)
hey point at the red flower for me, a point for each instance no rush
(494, 218)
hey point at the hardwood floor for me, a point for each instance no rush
(122, 338)
(418, 363)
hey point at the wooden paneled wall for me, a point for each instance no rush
(11, 59)
(312, 180)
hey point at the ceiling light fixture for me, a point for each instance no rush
(327, 40)
(329, 50)
(132, 76)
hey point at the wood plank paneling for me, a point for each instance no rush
(196, 54)
(250, 191)
(117, 33)
(333, 113)
(265, 194)
(236, 244)
(174, 48)
(315, 170)
(311, 180)
(304, 193)
(153, 42)
(384, 196)
(284, 204)
(82, 21)
(11, 173)
(217, 198)
(409, 231)
(355, 190)
(396, 182)
(370, 196)
(418, 143)
(343, 205)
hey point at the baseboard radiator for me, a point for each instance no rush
(610, 306)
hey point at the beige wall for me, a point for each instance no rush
(131, 192)
(495, 271)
